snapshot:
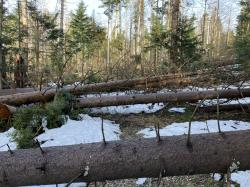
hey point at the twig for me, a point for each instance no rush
(103, 135)
(189, 144)
(218, 112)
(38, 143)
(11, 152)
(157, 131)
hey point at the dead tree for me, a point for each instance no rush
(170, 97)
(125, 159)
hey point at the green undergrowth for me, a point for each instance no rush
(29, 120)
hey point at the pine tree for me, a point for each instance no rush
(242, 43)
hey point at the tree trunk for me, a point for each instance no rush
(174, 27)
(45, 96)
(228, 107)
(1, 46)
(126, 159)
(171, 97)
(25, 43)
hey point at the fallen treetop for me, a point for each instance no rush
(144, 83)
(170, 97)
(126, 159)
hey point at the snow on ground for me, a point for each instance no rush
(245, 100)
(198, 127)
(130, 109)
(177, 110)
(87, 130)
(242, 178)
(141, 181)
(5, 139)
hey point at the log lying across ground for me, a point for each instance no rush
(226, 107)
(146, 82)
(126, 159)
(171, 97)
(120, 85)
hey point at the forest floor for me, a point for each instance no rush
(137, 121)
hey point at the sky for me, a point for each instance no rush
(227, 7)
(93, 7)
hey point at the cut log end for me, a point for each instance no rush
(6, 111)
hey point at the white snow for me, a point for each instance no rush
(242, 178)
(198, 127)
(6, 139)
(87, 130)
(245, 100)
(130, 109)
(141, 181)
(177, 110)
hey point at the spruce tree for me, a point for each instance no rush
(187, 41)
(242, 41)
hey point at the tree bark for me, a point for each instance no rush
(144, 83)
(228, 107)
(126, 159)
(171, 97)
(1, 45)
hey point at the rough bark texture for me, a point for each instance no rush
(44, 96)
(126, 159)
(171, 97)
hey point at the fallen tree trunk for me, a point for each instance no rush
(228, 107)
(171, 97)
(15, 91)
(126, 159)
(48, 95)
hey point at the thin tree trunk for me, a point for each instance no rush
(1, 46)
(174, 27)
(142, 36)
(24, 19)
(210, 153)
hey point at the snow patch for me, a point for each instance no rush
(198, 127)
(177, 110)
(242, 178)
(87, 130)
(130, 109)
(5, 138)
(141, 181)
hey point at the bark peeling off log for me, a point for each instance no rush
(126, 159)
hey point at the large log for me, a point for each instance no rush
(126, 159)
(171, 97)
(48, 94)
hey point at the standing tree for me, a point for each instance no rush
(242, 42)
(1, 45)
(86, 35)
